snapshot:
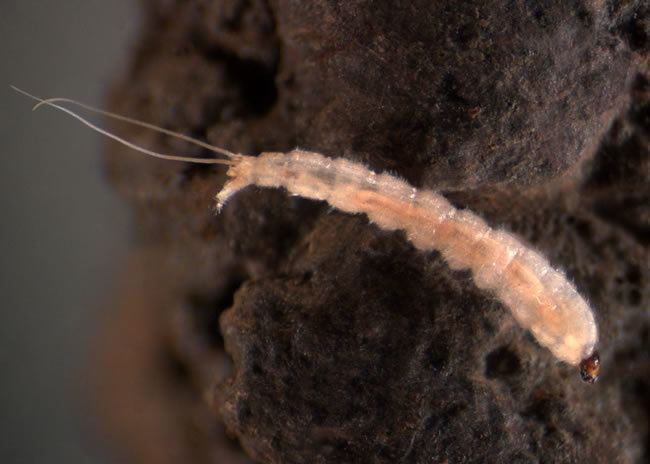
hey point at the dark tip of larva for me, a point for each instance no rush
(590, 368)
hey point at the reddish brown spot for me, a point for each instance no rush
(590, 368)
(474, 112)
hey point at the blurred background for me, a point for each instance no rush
(64, 232)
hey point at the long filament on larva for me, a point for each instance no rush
(50, 102)
(539, 297)
(137, 122)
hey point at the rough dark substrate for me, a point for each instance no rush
(287, 332)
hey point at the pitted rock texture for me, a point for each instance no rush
(310, 336)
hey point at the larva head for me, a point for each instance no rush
(590, 368)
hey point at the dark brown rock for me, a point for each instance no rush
(341, 342)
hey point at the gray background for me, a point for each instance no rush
(64, 231)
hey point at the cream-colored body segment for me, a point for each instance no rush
(540, 298)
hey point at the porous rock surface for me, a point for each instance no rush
(283, 331)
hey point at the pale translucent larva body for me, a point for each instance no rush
(540, 298)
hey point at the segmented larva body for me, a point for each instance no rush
(540, 298)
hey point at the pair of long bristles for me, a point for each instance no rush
(52, 102)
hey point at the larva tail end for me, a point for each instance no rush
(590, 368)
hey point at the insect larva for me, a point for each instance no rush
(540, 297)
